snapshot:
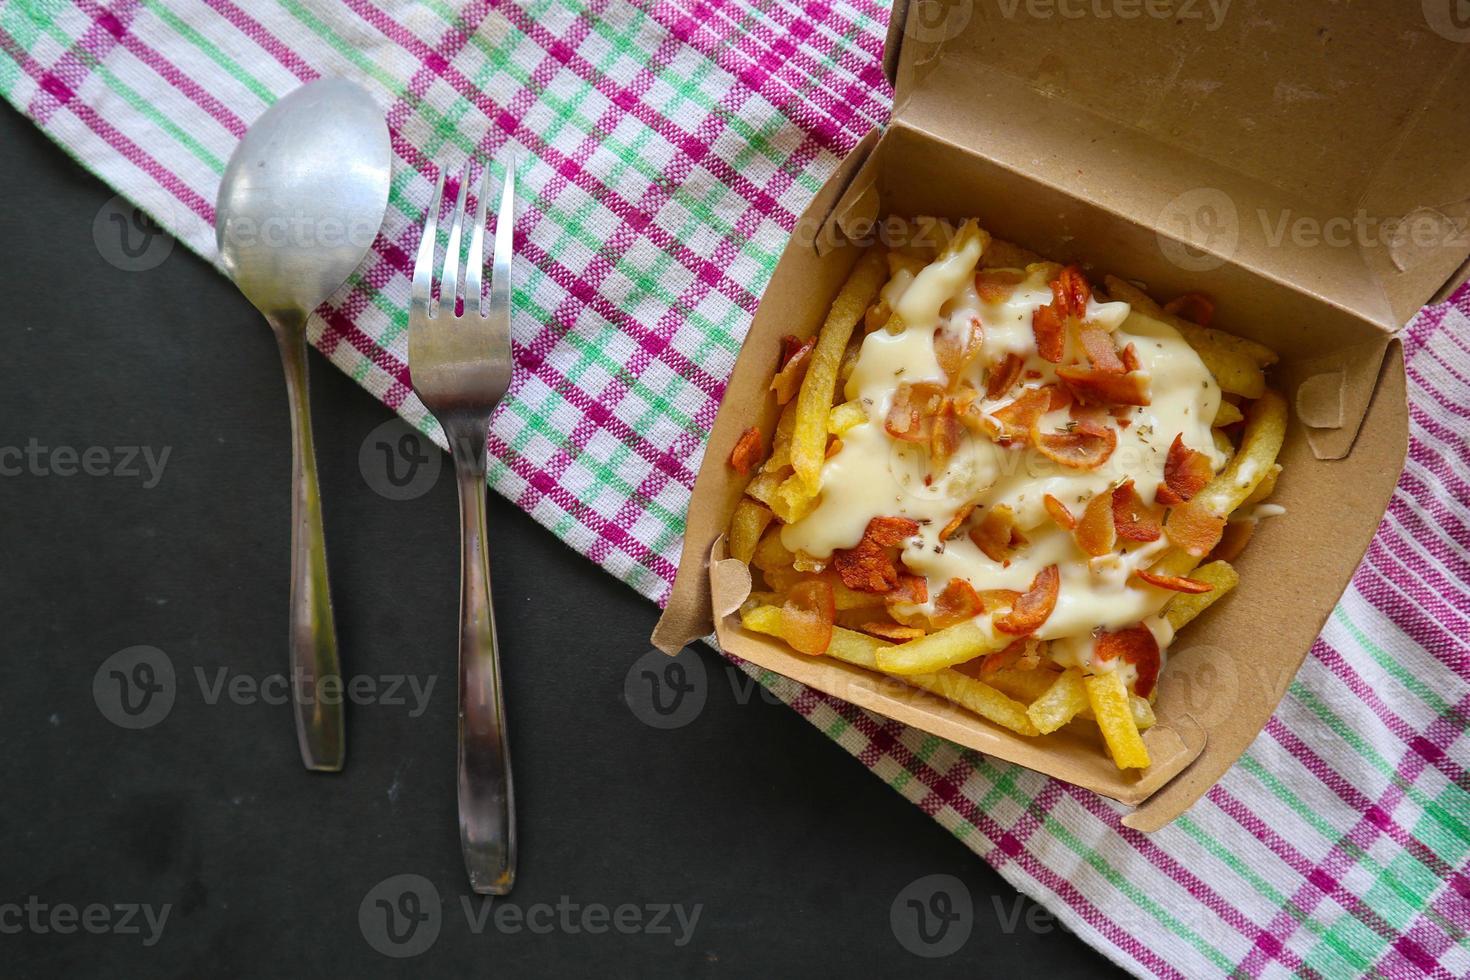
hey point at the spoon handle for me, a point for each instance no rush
(316, 671)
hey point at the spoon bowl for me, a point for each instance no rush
(303, 197)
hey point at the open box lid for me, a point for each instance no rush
(1326, 146)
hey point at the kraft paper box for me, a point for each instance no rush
(1306, 165)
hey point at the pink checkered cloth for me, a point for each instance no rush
(670, 147)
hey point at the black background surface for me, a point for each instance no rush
(794, 853)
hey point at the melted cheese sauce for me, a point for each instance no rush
(875, 475)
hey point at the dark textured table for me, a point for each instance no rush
(184, 839)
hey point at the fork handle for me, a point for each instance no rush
(315, 666)
(487, 830)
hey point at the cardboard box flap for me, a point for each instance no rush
(1320, 144)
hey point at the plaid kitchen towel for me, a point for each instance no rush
(669, 147)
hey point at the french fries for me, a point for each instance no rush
(747, 525)
(846, 416)
(1265, 488)
(1227, 414)
(1260, 444)
(864, 651)
(1260, 354)
(865, 604)
(979, 697)
(1233, 371)
(814, 402)
(952, 645)
(1061, 702)
(1183, 608)
(1109, 700)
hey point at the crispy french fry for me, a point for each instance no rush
(1023, 685)
(809, 437)
(1143, 712)
(1258, 354)
(856, 648)
(760, 598)
(1043, 272)
(1232, 371)
(771, 555)
(1265, 488)
(1224, 445)
(1109, 700)
(901, 262)
(1001, 254)
(849, 360)
(1185, 606)
(747, 525)
(1125, 291)
(780, 457)
(763, 487)
(1227, 414)
(952, 645)
(804, 562)
(792, 500)
(1060, 704)
(977, 696)
(862, 650)
(782, 579)
(762, 619)
(1260, 444)
(845, 417)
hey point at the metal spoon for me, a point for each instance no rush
(300, 203)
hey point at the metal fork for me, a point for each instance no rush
(460, 366)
